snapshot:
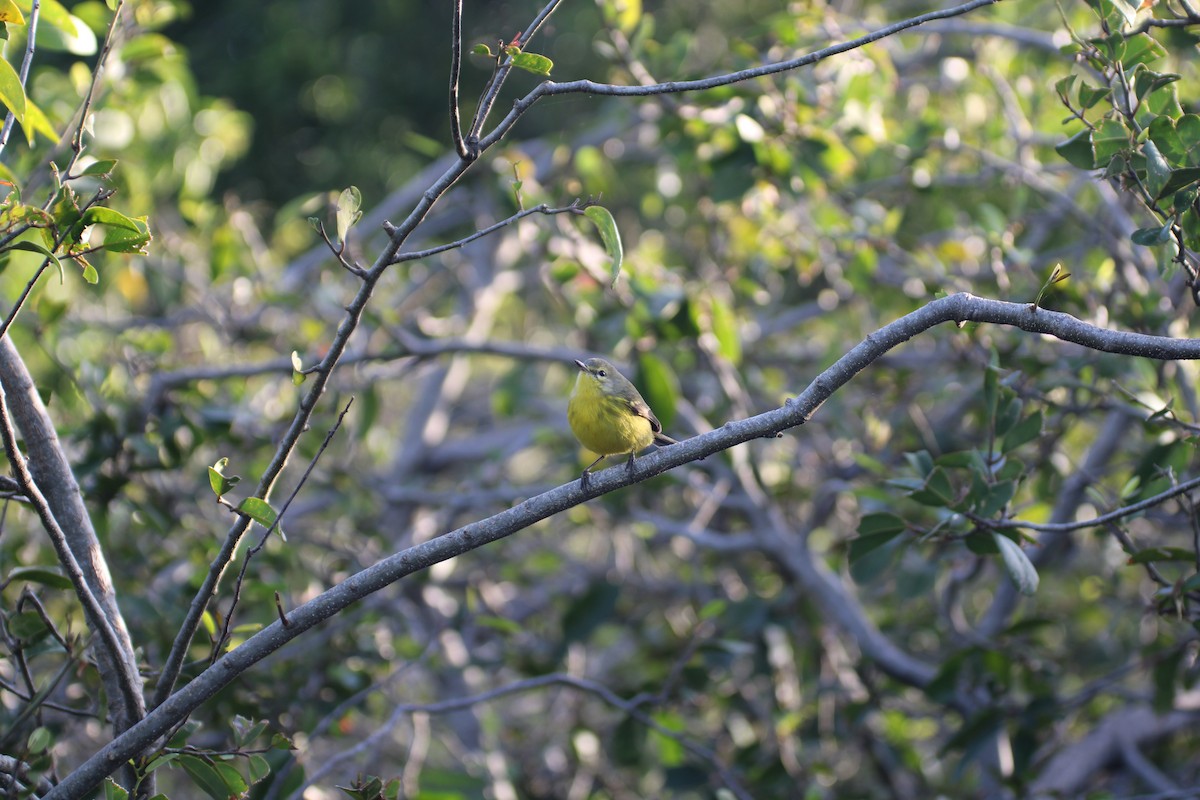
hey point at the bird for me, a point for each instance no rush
(608, 415)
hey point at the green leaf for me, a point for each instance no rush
(46, 576)
(659, 387)
(40, 740)
(868, 543)
(602, 218)
(258, 510)
(12, 95)
(89, 272)
(1177, 180)
(102, 215)
(36, 122)
(65, 31)
(482, 50)
(125, 239)
(1149, 555)
(1110, 139)
(26, 625)
(1024, 431)
(1089, 96)
(218, 780)
(532, 62)
(221, 483)
(258, 768)
(33, 247)
(349, 204)
(1020, 568)
(725, 328)
(1157, 168)
(1078, 151)
(113, 791)
(1152, 237)
(298, 375)
(98, 169)
(936, 491)
(880, 522)
(996, 498)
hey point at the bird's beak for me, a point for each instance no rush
(579, 364)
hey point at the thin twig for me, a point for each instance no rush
(493, 88)
(89, 98)
(574, 208)
(551, 88)
(237, 587)
(460, 146)
(10, 119)
(1112, 516)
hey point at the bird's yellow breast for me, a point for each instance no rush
(604, 424)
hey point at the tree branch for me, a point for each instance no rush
(957, 308)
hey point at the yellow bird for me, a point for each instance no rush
(608, 415)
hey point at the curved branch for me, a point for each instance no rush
(549, 88)
(957, 308)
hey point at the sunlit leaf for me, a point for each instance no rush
(602, 218)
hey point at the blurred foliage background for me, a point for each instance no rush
(768, 227)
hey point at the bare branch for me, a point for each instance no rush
(550, 88)
(957, 308)
(460, 146)
(574, 208)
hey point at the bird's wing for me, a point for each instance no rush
(638, 406)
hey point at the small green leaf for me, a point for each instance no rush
(482, 50)
(532, 62)
(1152, 237)
(936, 491)
(89, 272)
(46, 576)
(26, 625)
(1089, 96)
(1078, 151)
(725, 328)
(220, 482)
(113, 791)
(257, 768)
(131, 235)
(12, 95)
(1149, 555)
(258, 510)
(98, 169)
(880, 522)
(349, 203)
(298, 375)
(1020, 568)
(1157, 168)
(211, 778)
(1024, 431)
(602, 218)
(659, 387)
(40, 740)
(870, 542)
(33, 247)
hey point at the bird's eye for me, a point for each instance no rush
(601, 373)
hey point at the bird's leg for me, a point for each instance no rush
(629, 463)
(587, 472)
